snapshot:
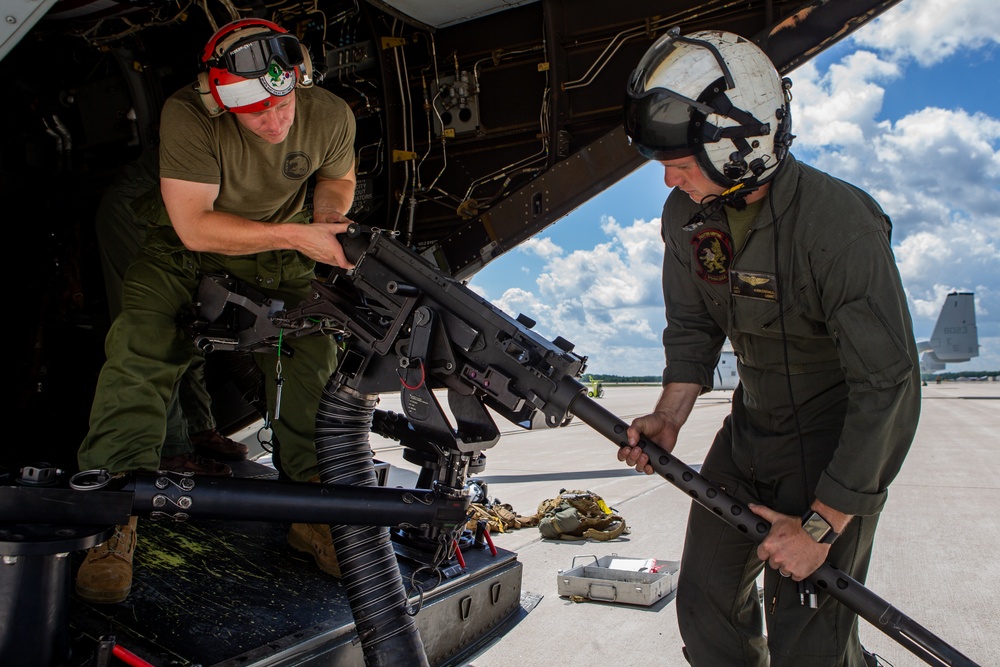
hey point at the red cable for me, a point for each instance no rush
(128, 657)
(489, 541)
(420, 384)
(458, 554)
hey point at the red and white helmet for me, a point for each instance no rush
(252, 64)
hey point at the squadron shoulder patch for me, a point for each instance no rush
(712, 255)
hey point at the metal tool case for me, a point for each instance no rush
(602, 581)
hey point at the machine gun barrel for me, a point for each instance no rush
(866, 604)
(180, 497)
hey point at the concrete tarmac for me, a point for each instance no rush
(937, 552)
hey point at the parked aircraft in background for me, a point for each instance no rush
(726, 376)
(955, 340)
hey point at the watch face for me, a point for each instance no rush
(816, 526)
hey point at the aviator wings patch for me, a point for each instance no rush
(754, 285)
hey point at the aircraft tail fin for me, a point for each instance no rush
(955, 338)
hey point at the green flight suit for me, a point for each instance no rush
(834, 314)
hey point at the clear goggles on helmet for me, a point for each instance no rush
(252, 56)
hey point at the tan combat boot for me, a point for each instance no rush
(106, 574)
(315, 539)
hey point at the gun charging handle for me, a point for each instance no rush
(355, 240)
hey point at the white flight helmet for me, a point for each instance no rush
(714, 95)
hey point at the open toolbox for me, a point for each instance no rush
(641, 581)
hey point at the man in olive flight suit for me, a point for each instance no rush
(796, 269)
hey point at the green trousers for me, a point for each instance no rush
(147, 355)
(719, 611)
(120, 234)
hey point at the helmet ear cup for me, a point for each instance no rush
(205, 95)
(783, 136)
(736, 167)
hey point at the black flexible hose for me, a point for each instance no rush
(247, 377)
(389, 637)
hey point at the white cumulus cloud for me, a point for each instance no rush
(607, 300)
(929, 31)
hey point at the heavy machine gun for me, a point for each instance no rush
(410, 328)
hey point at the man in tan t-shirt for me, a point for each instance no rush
(237, 153)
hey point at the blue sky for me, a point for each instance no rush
(907, 108)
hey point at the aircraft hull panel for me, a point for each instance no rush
(234, 593)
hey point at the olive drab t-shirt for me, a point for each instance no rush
(740, 222)
(257, 180)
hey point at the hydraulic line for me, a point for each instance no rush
(389, 636)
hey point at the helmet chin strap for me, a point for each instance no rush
(736, 197)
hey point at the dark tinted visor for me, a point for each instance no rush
(253, 56)
(657, 123)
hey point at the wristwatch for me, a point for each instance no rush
(819, 528)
